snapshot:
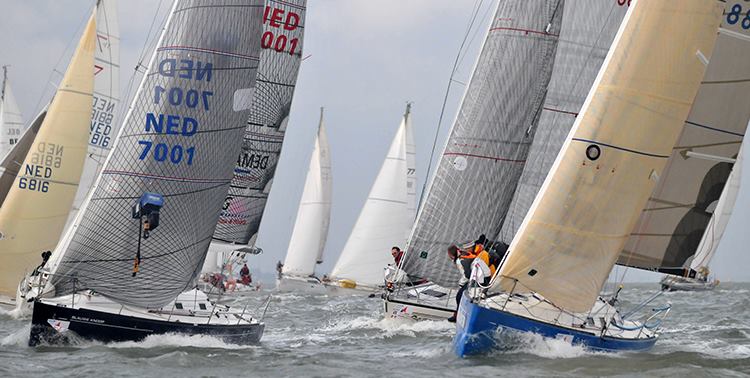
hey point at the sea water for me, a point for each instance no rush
(706, 334)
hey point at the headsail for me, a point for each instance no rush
(105, 108)
(11, 120)
(679, 210)
(588, 29)
(386, 217)
(480, 165)
(280, 58)
(180, 140)
(313, 216)
(33, 215)
(615, 153)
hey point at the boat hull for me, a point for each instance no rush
(108, 327)
(477, 329)
(687, 284)
(302, 285)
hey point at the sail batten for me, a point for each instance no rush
(470, 192)
(591, 199)
(180, 140)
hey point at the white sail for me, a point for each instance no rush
(313, 217)
(11, 120)
(720, 218)
(615, 153)
(104, 124)
(385, 219)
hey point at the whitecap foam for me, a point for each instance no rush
(179, 340)
(391, 327)
(18, 338)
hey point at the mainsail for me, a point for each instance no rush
(615, 153)
(313, 216)
(679, 210)
(180, 139)
(11, 120)
(588, 29)
(104, 124)
(481, 163)
(386, 217)
(280, 58)
(34, 212)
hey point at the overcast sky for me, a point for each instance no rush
(367, 58)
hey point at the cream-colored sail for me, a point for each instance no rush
(593, 195)
(37, 206)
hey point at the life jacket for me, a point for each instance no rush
(485, 256)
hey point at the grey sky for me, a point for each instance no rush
(367, 58)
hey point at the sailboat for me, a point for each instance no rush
(11, 119)
(558, 262)
(470, 192)
(130, 259)
(39, 192)
(385, 219)
(242, 212)
(104, 126)
(311, 225)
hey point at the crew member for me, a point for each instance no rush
(397, 254)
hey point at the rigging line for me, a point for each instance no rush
(478, 4)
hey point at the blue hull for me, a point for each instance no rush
(476, 328)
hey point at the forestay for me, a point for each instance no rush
(679, 210)
(33, 214)
(11, 120)
(474, 181)
(310, 230)
(280, 58)
(106, 98)
(386, 217)
(615, 153)
(180, 139)
(588, 29)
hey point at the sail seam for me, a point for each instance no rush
(622, 148)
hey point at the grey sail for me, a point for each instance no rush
(481, 163)
(180, 139)
(588, 29)
(671, 226)
(280, 58)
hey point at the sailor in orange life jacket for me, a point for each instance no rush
(465, 262)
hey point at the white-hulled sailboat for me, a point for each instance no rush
(43, 170)
(241, 215)
(130, 260)
(617, 151)
(311, 225)
(11, 119)
(385, 220)
(104, 127)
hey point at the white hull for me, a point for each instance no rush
(336, 288)
(687, 284)
(422, 302)
(295, 284)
